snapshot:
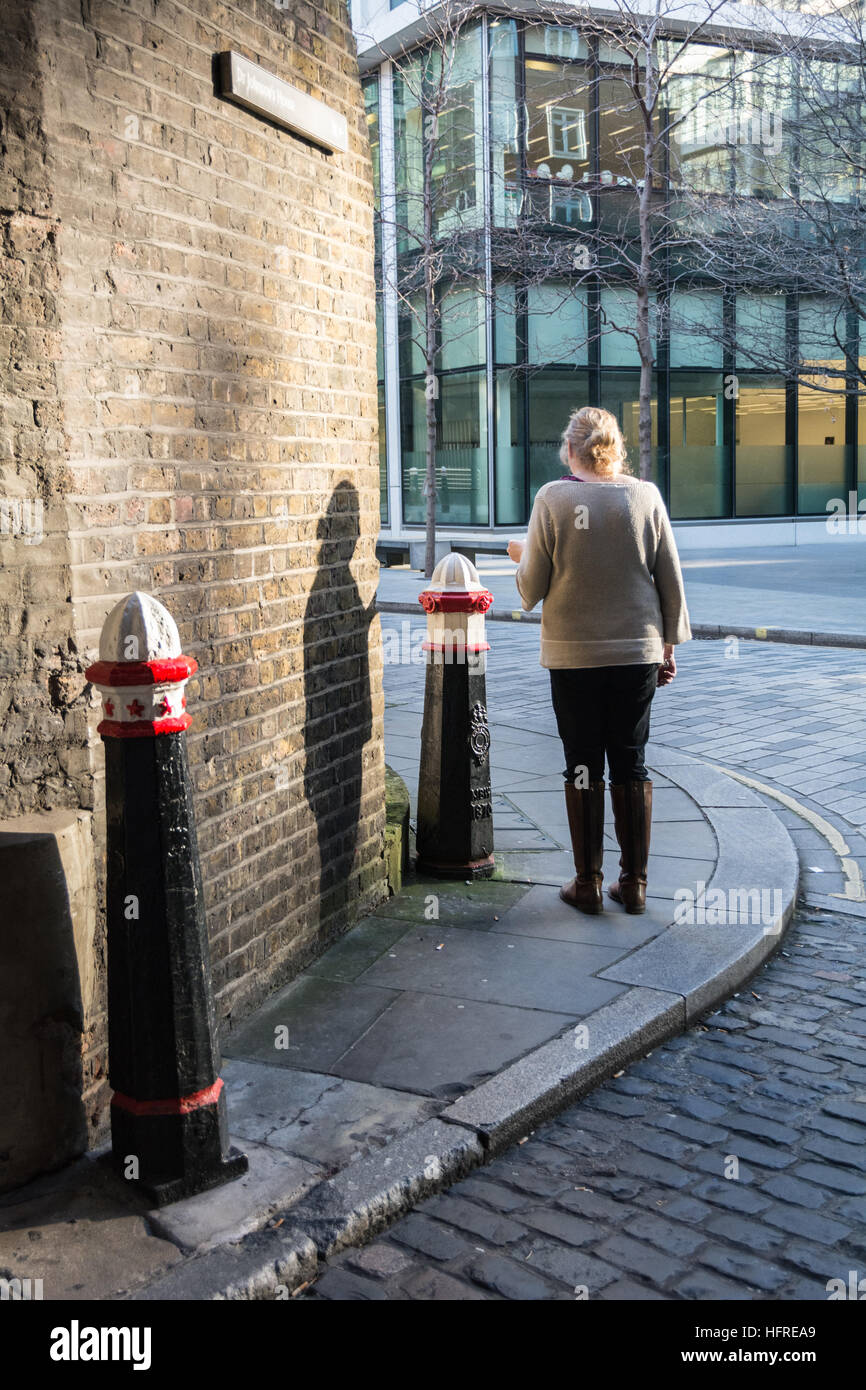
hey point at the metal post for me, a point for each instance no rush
(455, 810)
(169, 1129)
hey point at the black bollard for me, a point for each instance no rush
(454, 836)
(169, 1130)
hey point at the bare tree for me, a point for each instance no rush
(438, 223)
(655, 215)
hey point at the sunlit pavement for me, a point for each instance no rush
(730, 1164)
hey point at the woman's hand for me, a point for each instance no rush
(515, 551)
(668, 668)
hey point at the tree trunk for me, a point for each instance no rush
(644, 339)
(431, 385)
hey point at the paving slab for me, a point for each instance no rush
(496, 969)
(506, 1107)
(274, 1181)
(541, 913)
(455, 903)
(313, 1115)
(359, 948)
(439, 1045)
(323, 1017)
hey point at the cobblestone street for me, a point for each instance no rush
(729, 1164)
(628, 1195)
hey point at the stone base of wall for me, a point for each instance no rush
(49, 999)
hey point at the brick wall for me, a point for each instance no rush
(190, 375)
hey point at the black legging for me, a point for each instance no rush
(604, 710)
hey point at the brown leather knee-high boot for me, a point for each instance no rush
(586, 825)
(632, 818)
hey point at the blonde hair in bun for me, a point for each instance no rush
(595, 438)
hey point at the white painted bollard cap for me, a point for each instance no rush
(141, 672)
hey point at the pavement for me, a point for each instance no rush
(462, 1025)
(729, 1162)
(441, 1029)
(729, 1165)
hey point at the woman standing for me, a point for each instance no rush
(601, 553)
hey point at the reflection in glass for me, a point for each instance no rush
(698, 99)
(461, 450)
(821, 451)
(510, 458)
(620, 154)
(764, 460)
(456, 173)
(383, 458)
(620, 394)
(700, 463)
(558, 326)
(557, 106)
(553, 395)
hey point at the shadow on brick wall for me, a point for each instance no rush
(338, 714)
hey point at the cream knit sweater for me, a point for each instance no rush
(603, 557)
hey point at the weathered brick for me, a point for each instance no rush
(200, 422)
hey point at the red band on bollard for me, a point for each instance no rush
(146, 728)
(168, 670)
(180, 1105)
(455, 601)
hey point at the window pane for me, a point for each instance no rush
(831, 131)
(555, 41)
(461, 450)
(371, 104)
(461, 325)
(821, 452)
(380, 339)
(383, 458)
(822, 333)
(552, 398)
(557, 113)
(505, 324)
(620, 153)
(761, 330)
(761, 121)
(618, 315)
(764, 460)
(457, 155)
(411, 335)
(620, 393)
(861, 449)
(698, 98)
(505, 156)
(700, 462)
(409, 156)
(456, 174)
(510, 462)
(696, 329)
(557, 326)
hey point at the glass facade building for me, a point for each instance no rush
(540, 129)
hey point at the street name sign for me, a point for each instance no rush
(252, 86)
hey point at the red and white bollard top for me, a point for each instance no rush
(141, 673)
(455, 605)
